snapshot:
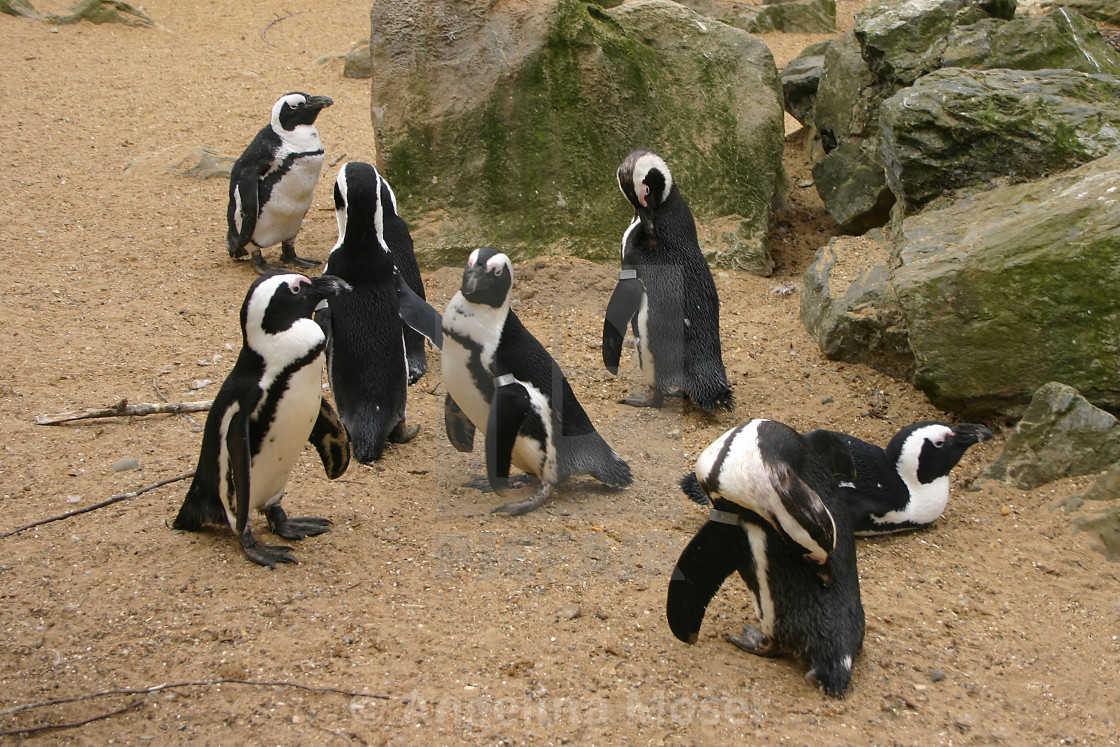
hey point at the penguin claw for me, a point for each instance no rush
(303, 262)
(266, 555)
(652, 398)
(402, 434)
(296, 527)
(754, 641)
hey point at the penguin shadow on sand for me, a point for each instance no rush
(375, 334)
(778, 519)
(500, 380)
(272, 183)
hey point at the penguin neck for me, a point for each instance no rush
(281, 349)
(927, 500)
(301, 138)
(479, 322)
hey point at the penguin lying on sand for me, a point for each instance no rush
(820, 623)
(905, 486)
(666, 292)
(269, 406)
(366, 344)
(510, 387)
(273, 182)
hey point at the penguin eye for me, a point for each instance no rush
(939, 443)
(498, 271)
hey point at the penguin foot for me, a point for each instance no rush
(261, 267)
(266, 555)
(754, 641)
(402, 434)
(652, 398)
(482, 484)
(296, 527)
(533, 502)
(288, 257)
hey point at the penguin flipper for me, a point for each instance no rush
(622, 307)
(508, 409)
(237, 449)
(419, 314)
(813, 523)
(330, 439)
(718, 550)
(833, 452)
(249, 208)
(460, 429)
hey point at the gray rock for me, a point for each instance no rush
(125, 465)
(995, 295)
(848, 309)
(853, 185)
(1099, 10)
(1063, 39)
(958, 128)
(504, 128)
(357, 62)
(1060, 435)
(839, 110)
(1106, 524)
(792, 16)
(1107, 488)
(800, 78)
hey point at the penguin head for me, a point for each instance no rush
(487, 278)
(277, 303)
(929, 449)
(645, 180)
(297, 108)
(358, 206)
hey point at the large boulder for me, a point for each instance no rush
(1060, 435)
(958, 128)
(1099, 10)
(790, 16)
(502, 123)
(800, 79)
(998, 293)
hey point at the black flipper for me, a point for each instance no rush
(622, 307)
(719, 549)
(460, 429)
(247, 191)
(322, 317)
(419, 314)
(805, 507)
(330, 439)
(237, 447)
(508, 410)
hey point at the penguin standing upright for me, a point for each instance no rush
(366, 362)
(820, 621)
(269, 406)
(666, 291)
(501, 379)
(273, 182)
(905, 486)
(399, 241)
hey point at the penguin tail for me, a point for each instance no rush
(713, 397)
(615, 472)
(199, 508)
(831, 676)
(691, 487)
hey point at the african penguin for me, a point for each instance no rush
(366, 348)
(822, 624)
(272, 183)
(905, 486)
(399, 241)
(507, 385)
(666, 293)
(269, 406)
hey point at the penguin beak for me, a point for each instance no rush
(319, 102)
(327, 286)
(969, 433)
(471, 277)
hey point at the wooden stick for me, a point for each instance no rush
(107, 502)
(123, 409)
(71, 724)
(192, 683)
(274, 21)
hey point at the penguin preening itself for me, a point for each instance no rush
(820, 623)
(273, 182)
(666, 292)
(507, 385)
(269, 406)
(905, 486)
(367, 364)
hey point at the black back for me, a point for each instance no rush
(399, 240)
(366, 362)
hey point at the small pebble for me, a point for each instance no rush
(124, 465)
(936, 675)
(200, 384)
(569, 612)
(1005, 510)
(73, 498)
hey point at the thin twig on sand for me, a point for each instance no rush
(123, 409)
(275, 21)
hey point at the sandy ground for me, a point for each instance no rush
(424, 618)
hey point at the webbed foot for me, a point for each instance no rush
(266, 555)
(533, 502)
(651, 398)
(482, 484)
(754, 641)
(295, 527)
(288, 256)
(402, 434)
